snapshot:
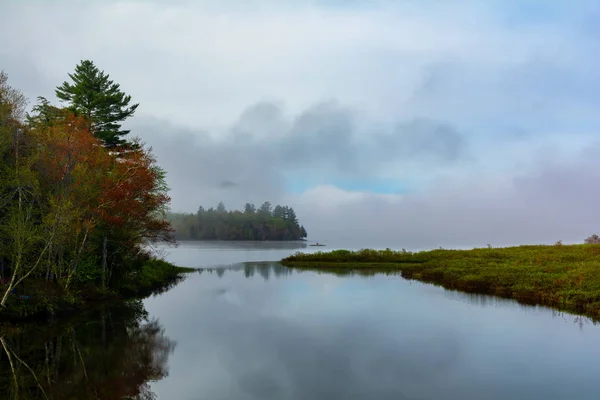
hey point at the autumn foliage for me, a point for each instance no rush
(75, 210)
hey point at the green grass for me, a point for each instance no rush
(560, 276)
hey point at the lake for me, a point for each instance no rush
(245, 327)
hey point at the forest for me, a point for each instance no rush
(80, 199)
(263, 223)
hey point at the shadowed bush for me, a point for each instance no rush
(594, 239)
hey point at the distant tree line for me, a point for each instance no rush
(251, 223)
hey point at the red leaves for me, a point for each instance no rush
(123, 192)
(134, 196)
(70, 156)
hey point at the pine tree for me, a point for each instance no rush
(291, 215)
(278, 212)
(249, 208)
(303, 231)
(100, 100)
(265, 209)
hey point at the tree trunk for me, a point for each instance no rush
(104, 261)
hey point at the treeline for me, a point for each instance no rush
(251, 223)
(78, 199)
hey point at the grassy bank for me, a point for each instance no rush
(560, 276)
(40, 299)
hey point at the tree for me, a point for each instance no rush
(134, 201)
(68, 200)
(72, 167)
(249, 208)
(278, 212)
(28, 224)
(291, 216)
(19, 230)
(99, 100)
(303, 231)
(594, 239)
(265, 208)
(221, 207)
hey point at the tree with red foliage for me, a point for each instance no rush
(133, 203)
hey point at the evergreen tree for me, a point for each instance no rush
(249, 208)
(291, 216)
(278, 212)
(100, 100)
(303, 231)
(265, 209)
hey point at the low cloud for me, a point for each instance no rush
(550, 202)
(265, 151)
(551, 197)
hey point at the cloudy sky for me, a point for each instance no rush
(422, 123)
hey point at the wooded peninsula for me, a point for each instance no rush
(264, 223)
(79, 200)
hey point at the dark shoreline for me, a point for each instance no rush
(163, 277)
(563, 277)
(241, 240)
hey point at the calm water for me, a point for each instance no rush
(259, 330)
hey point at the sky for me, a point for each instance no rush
(425, 123)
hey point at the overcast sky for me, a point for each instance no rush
(424, 123)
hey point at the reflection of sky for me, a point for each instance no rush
(304, 335)
(206, 254)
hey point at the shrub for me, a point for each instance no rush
(594, 239)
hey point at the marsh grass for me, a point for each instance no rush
(566, 277)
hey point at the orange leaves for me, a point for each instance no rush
(70, 156)
(135, 195)
(121, 191)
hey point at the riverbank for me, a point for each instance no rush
(566, 277)
(41, 300)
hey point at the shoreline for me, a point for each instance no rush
(158, 277)
(564, 277)
(241, 240)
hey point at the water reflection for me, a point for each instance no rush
(267, 268)
(264, 331)
(110, 353)
(274, 269)
(246, 245)
(264, 269)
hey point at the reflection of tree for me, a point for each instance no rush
(269, 269)
(266, 269)
(111, 353)
(264, 272)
